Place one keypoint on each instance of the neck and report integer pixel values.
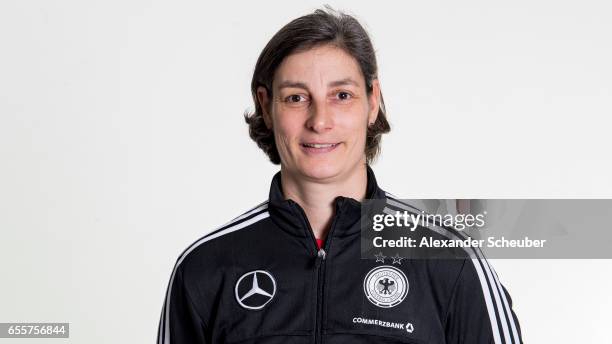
(317, 197)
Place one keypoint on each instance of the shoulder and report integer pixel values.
(212, 247)
(425, 215)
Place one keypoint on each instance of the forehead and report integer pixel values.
(320, 64)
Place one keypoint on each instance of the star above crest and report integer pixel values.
(397, 259)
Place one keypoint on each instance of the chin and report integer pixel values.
(321, 170)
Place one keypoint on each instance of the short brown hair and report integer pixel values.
(323, 26)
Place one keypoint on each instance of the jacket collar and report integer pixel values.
(289, 216)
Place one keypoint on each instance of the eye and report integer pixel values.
(344, 95)
(294, 98)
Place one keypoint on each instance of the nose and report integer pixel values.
(321, 117)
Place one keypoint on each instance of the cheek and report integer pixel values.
(354, 123)
(287, 127)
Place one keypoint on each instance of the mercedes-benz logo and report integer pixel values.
(255, 289)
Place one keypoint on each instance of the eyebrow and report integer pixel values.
(298, 84)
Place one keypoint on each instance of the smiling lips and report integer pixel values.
(317, 147)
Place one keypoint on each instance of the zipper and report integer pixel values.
(320, 259)
(320, 266)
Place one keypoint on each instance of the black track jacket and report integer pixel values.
(262, 279)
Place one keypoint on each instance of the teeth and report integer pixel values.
(319, 145)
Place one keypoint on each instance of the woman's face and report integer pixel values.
(319, 113)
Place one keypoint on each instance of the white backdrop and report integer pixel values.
(122, 141)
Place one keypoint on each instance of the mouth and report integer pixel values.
(317, 147)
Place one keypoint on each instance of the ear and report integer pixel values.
(264, 102)
(374, 102)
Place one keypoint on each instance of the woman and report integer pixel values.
(289, 270)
